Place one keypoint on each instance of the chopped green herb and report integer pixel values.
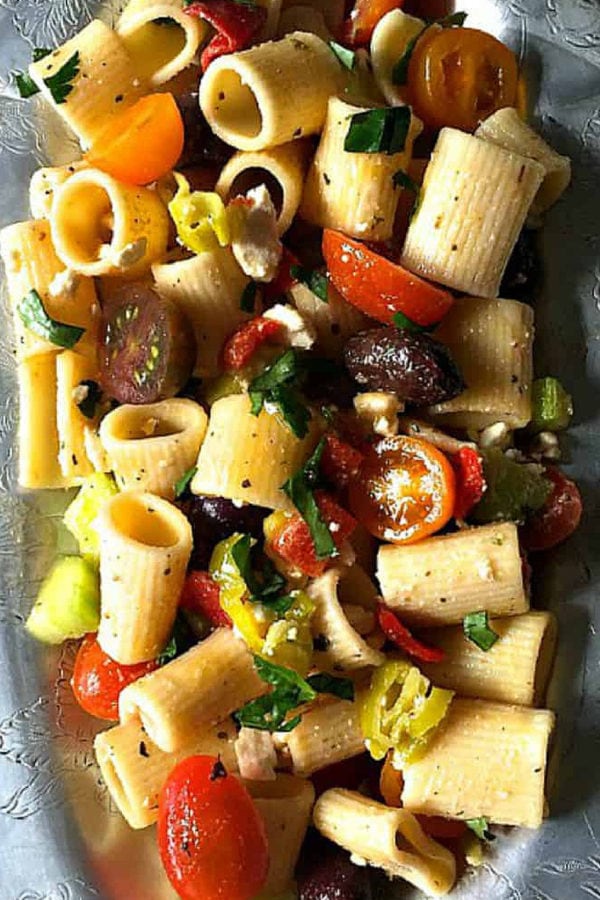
(345, 56)
(400, 70)
(477, 630)
(551, 406)
(514, 489)
(182, 483)
(480, 827)
(382, 130)
(35, 317)
(403, 180)
(89, 404)
(248, 298)
(406, 324)
(295, 414)
(181, 640)
(266, 586)
(60, 84)
(456, 19)
(328, 414)
(26, 86)
(315, 281)
(327, 684)
(40, 53)
(273, 386)
(300, 490)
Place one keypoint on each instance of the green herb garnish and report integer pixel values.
(25, 83)
(382, 130)
(35, 317)
(88, 406)
(60, 84)
(478, 631)
(480, 827)
(300, 489)
(327, 684)
(275, 385)
(181, 640)
(345, 56)
(182, 483)
(406, 324)
(315, 281)
(248, 298)
(267, 585)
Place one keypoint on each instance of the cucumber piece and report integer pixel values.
(551, 406)
(68, 602)
(80, 515)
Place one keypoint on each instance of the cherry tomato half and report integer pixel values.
(404, 491)
(358, 28)
(211, 838)
(459, 76)
(98, 680)
(559, 516)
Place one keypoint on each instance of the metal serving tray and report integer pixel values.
(60, 838)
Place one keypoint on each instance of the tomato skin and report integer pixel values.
(470, 482)
(340, 462)
(459, 76)
(405, 490)
(399, 635)
(201, 594)
(141, 144)
(378, 287)
(211, 838)
(559, 516)
(235, 26)
(358, 28)
(294, 542)
(243, 343)
(98, 680)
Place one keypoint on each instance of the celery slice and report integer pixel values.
(552, 407)
(513, 489)
(68, 602)
(81, 514)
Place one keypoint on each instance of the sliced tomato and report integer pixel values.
(236, 25)
(243, 343)
(284, 280)
(142, 143)
(399, 635)
(340, 462)
(405, 490)
(559, 516)
(211, 838)
(201, 594)
(378, 287)
(470, 482)
(358, 28)
(459, 76)
(98, 680)
(294, 542)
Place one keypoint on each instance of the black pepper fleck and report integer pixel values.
(218, 771)
(143, 750)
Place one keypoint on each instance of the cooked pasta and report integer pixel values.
(334, 321)
(151, 446)
(473, 203)
(273, 8)
(390, 839)
(38, 460)
(439, 580)
(145, 546)
(487, 760)
(71, 370)
(328, 733)
(44, 182)
(333, 11)
(391, 38)
(193, 692)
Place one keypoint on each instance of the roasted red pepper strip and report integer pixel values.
(236, 26)
(358, 28)
(284, 279)
(243, 343)
(340, 461)
(470, 483)
(201, 595)
(399, 635)
(294, 543)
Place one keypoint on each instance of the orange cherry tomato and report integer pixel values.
(404, 491)
(142, 143)
(358, 28)
(391, 783)
(460, 76)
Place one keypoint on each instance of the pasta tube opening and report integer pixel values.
(236, 103)
(253, 177)
(160, 38)
(142, 520)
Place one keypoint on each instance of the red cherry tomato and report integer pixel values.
(294, 542)
(358, 28)
(559, 516)
(98, 680)
(211, 838)
(201, 594)
(243, 343)
(470, 483)
(404, 491)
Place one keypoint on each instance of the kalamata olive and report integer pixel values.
(213, 519)
(337, 388)
(324, 872)
(412, 365)
(201, 146)
(147, 348)
(523, 271)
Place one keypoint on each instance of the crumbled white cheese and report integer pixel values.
(545, 446)
(378, 410)
(149, 426)
(80, 393)
(298, 332)
(358, 860)
(484, 570)
(64, 284)
(496, 435)
(256, 246)
(130, 254)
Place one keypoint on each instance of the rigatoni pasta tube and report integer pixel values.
(272, 93)
(151, 446)
(439, 580)
(194, 691)
(71, 370)
(473, 203)
(328, 733)
(333, 11)
(390, 839)
(31, 263)
(43, 184)
(145, 546)
(134, 769)
(514, 670)
(334, 321)
(390, 40)
(485, 759)
(284, 806)
(105, 83)
(38, 435)
(507, 129)
(353, 192)
(208, 288)
(247, 458)
(491, 342)
(160, 38)
(101, 226)
(281, 169)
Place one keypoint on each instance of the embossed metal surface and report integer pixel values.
(59, 837)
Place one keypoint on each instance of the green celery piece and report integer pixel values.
(80, 515)
(68, 602)
(552, 407)
(513, 489)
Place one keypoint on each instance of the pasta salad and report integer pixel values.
(274, 332)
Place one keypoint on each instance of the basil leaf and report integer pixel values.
(87, 406)
(248, 298)
(40, 53)
(378, 130)
(267, 587)
(477, 630)
(279, 605)
(406, 324)
(403, 180)
(294, 413)
(283, 369)
(456, 19)
(181, 640)
(26, 86)
(315, 281)
(299, 489)
(272, 386)
(59, 84)
(345, 56)
(257, 399)
(182, 483)
(35, 317)
(327, 684)
(480, 827)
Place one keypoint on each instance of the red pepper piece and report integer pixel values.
(294, 543)
(340, 461)
(236, 26)
(284, 280)
(201, 595)
(243, 343)
(470, 483)
(399, 635)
